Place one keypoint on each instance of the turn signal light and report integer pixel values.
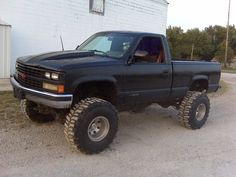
(60, 89)
(53, 87)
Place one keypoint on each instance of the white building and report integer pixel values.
(36, 25)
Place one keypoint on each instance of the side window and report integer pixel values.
(150, 50)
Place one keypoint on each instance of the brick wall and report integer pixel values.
(38, 24)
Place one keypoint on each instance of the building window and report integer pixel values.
(97, 6)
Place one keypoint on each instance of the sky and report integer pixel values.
(190, 14)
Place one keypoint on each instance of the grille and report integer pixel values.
(30, 76)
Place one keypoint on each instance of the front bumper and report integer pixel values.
(59, 101)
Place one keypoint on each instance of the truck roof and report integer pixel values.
(132, 32)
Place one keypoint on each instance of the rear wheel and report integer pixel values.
(91, 125)
(194, 110)
(31, 111)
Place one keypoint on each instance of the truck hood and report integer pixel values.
(64, 59)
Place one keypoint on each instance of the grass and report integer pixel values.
(10, 107)
(228, 70)
(10, 114)
(11, 117)
(8, 102)
(224, 88)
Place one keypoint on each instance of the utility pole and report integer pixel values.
(192, 51)
(227, 37)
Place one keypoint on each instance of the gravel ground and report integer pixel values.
(148, 144)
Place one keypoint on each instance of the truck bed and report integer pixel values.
(184, 72)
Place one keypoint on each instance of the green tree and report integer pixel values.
(208, 43)
(202, 44)
(175, 39)
(220, 54)
(218, 35)
(232, 38)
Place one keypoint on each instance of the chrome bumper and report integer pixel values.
(59, 101)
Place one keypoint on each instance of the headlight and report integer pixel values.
(54, 76)
(53, 87)
(48, 75)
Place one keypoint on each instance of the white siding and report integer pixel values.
(4, 51)
(38, 24)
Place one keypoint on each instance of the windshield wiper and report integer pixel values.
(99, 51)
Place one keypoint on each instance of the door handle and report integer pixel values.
(165, 73)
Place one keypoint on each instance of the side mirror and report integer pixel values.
(140, 53)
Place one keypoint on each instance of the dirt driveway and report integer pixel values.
(148, 144)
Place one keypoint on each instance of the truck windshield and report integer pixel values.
(111, 45)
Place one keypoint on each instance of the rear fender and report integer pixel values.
(199, 77)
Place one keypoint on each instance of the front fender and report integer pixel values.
(87, 79)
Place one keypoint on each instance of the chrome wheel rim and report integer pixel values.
(98, 128)
(200, 112)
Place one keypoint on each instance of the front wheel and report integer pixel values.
(31, 111)
(91, 125)
(194, 110)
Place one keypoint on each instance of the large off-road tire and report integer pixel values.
(91, 125)
(29, 109)
(194, 110)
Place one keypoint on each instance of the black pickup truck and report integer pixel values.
(110, 71)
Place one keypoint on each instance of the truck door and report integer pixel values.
(148, 77)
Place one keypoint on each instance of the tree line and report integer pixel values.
(204, 44)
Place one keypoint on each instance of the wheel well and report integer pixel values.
(199, 85)
(102, 89)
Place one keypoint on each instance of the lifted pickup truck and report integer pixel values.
(112, 71)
